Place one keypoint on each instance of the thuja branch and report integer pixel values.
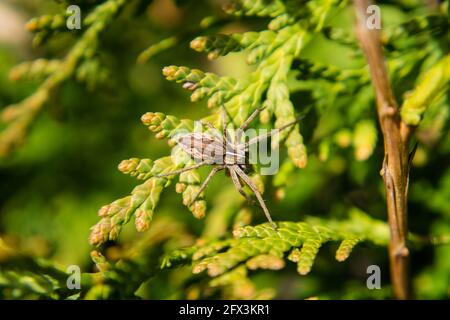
(19, 117)
(396, 135)
(260, 247)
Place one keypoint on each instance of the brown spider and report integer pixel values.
(223, 153)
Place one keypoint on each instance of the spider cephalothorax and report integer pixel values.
(223, 152)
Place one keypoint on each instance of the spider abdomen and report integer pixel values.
(212, 149)
(235, 154)
(203, 147)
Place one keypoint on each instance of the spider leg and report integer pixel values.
(267, 135)
(214, 130)
(249, 182)
(224, 117)
(227, 141)
(209, 125)
(195, 166)
(246, 123)
(205, 184)
(238, 185)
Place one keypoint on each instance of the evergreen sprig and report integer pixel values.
(275, 52)
(78, 63)
(261, 247)
(341, 102)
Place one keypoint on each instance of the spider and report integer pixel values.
(224, 154)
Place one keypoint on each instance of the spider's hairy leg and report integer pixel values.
(246, 123)
(249, 182)
(238, 185)
(195, 166)
(250, 119)
(209, 125)
(214, 130)
(269, 134)
(224, 116)
(205, 183)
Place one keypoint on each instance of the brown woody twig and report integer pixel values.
(396, 164)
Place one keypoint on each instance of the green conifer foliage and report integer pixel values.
(336, 146)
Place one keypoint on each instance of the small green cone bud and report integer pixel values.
(100, 261)
(199, 267)
(265, 261)
(215, 269)
(100, 232)
(115, 231)
(238, 233)
(303, 269)
(161, 135)
(307, 255)
(152, 119)
(296, 149)
(199, 44)
(345, 248)
(298, 155)
(128, 166)
(146, 118)
(97, 257)
(199, 209)
(180, 187)
(294, 256)
(169, 72)
(199, 94)
(213, 55)
(143, 219)
(104, 211)
(265, 116)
